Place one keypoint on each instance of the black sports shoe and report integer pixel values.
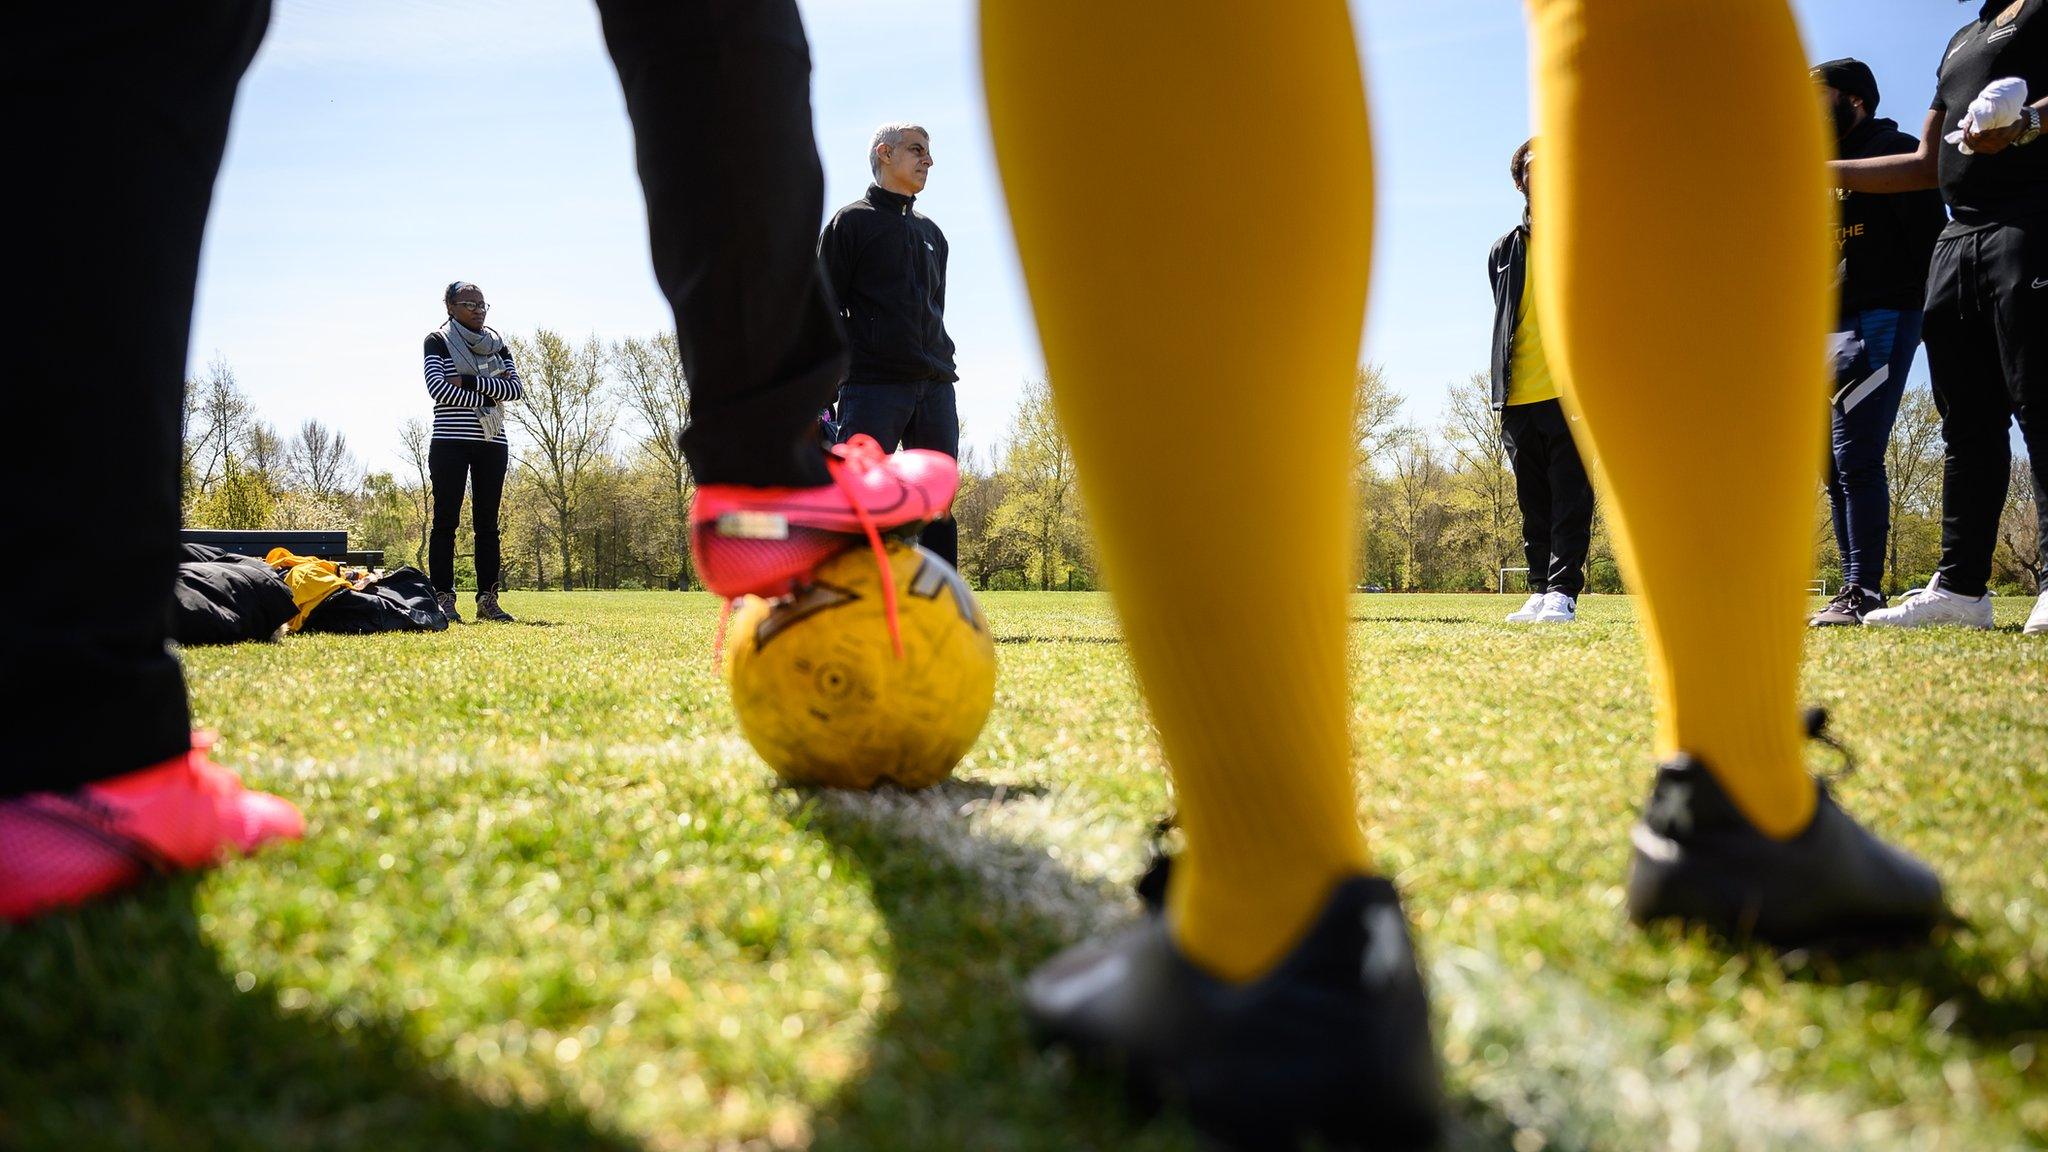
(487, 608)
(1698, 859)
(446, 602)
(1848, 607)
(1332, 1043)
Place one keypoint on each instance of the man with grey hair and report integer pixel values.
(886, 263)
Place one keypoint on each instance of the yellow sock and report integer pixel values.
(1190, 186)
(1681, 197)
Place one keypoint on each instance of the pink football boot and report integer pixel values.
(762, 541)
(63, 848)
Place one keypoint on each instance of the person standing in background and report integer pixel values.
(1551, 486)
(1986, 324)
(1884, 243)
(886, 263)
(470, 375)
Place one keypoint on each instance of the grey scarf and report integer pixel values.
(479, 354)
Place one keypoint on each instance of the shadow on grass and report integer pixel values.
(1941, 971)
(119, 1029)
(1026, 638)
(950, 1065)
(1952, 978)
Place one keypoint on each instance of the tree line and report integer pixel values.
(599, 493)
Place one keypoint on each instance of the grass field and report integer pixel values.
(550, 900)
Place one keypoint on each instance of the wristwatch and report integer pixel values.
(2032, 132)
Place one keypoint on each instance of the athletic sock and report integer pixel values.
(1200, 312)
(1687, 298)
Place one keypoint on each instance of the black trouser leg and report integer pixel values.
(487, 492)
(1571, 507)
(719, 93)
(1526, 455)
(882, 411)
(109, 255)
(935, 424)
(2017, 255)
(448, 468)
(1962, 339)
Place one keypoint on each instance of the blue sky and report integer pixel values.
(382, 148)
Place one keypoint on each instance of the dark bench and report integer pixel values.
(322, 544)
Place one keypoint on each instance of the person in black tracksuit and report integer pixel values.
(1551, 487)
(886, 264)
(1986, 326)
(1884, 243)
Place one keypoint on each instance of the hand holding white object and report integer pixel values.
(1998, 106)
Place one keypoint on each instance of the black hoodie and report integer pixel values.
(1884, 241)
(886, 263)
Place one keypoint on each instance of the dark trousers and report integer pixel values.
(481, 465)
(93, 688)
(920, 415)
(717, 88)
(713, 87)
(1555, 497)
(1868, 385)
(1987, 353)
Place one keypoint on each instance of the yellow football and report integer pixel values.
(824, 699)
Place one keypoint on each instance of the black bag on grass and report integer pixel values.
(400, 601)
(222, 598)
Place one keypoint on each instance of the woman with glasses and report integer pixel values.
(470, 375)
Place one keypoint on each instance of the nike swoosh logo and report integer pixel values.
(1500, 270)
(1952, 52)
(2041, 281)
(1070, 993)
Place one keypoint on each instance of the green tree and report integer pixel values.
(651, 377)
(1418, 485)
(1485, 518)
(389, 521)
(1041, 502)
(240, 498)
(415, 441)
(1375, 410)
(1912, 460)
(566, 418)
(2019, 534)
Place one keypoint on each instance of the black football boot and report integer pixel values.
(1698, 859)
(1332, 1044)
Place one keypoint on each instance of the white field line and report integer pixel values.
(1552, 1060)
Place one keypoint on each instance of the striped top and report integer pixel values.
(456, 407)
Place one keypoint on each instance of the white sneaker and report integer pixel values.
(1530, 609)
(1931, 606)
(2037, 620)
(1558, 608)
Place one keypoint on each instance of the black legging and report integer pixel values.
(710, 85)
(481, 464)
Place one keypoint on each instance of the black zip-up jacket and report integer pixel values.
(886, 263)
(1884, 241)
(1506, 266)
